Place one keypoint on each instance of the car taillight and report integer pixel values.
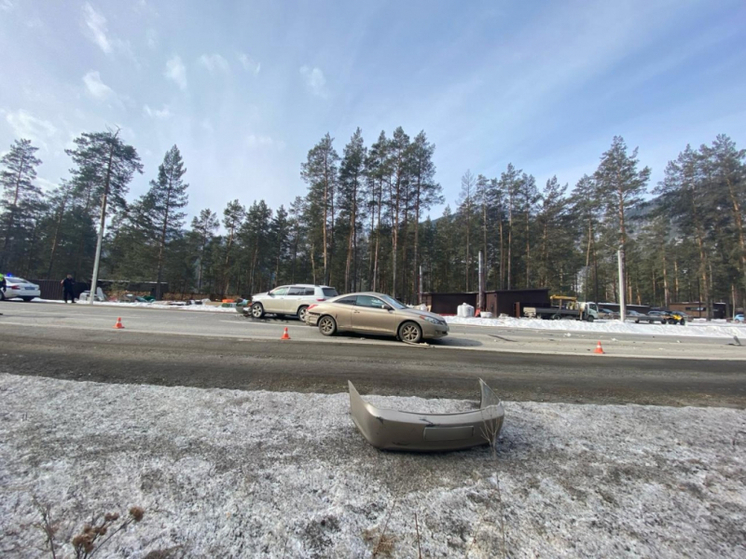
(15, 287)
(311, 306)
(322, 299)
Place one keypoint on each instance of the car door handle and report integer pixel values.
(355, 312)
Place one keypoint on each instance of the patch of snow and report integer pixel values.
(228, 473)
(161, 305)
(608, 326)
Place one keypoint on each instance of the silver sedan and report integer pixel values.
(375, 313)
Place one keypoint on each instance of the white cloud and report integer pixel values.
(214, 62)
(98, 32)
(176, 71)
(6, 5)
(151, 38)
(248, 64)
(253, 140)
(163, 113)
(96, 88)
(315, 80)
(96, 24)
(26, 125)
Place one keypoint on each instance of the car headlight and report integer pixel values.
(432, 320)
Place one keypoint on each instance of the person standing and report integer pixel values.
(68, 285)
(3, 285)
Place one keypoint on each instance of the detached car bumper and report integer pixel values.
(426, 432)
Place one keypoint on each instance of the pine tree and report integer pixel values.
(528, 195)
(551, 221)
(104, 167)
(466, 216)
(233, 216)
(425, 191)
(508, 185)
(320, 172)
(586, 206)
(204, 227)
(351, 181)
(399, 183)
(162, 207)
(21, 200)
(620, 186)
(684, 186)
(726, 170)
(377, 172)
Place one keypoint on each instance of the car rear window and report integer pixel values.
(329, 292)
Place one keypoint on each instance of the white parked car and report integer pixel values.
(289, 299)
(19, 288)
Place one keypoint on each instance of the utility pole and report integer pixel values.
(480, 299)
(622, 294)
(102, 224)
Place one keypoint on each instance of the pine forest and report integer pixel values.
(366, 223)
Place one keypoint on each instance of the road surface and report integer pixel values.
(224, 350)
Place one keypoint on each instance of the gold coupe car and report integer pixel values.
(375, 313)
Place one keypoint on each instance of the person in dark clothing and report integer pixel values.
(3, 285)
(68, 285)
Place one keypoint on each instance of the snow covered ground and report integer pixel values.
(699, 328)
(199, 308)
(226, 473)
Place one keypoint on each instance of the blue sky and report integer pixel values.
(245, 89)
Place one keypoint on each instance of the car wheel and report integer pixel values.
(327, 325)
(257, 310)
(27, 299)
(410, 332)
(682, 322)
(590, 318)
(637, 321)
(672, 321)
(302, 311)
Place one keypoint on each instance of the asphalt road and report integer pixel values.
(224, 350)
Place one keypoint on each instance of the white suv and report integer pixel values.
(289, 299)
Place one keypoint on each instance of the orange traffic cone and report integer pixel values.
(285, 335)
(599, 349)
(119, 324)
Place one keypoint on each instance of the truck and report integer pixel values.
(564, 307)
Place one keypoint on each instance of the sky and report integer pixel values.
(245, 89)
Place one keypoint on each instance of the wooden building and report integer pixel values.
(504, 301)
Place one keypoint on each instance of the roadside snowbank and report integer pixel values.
(226, 473)
(698, 329)
(199, 308)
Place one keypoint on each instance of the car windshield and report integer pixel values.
(393, 302)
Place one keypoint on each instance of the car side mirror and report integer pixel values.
(388, 308)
